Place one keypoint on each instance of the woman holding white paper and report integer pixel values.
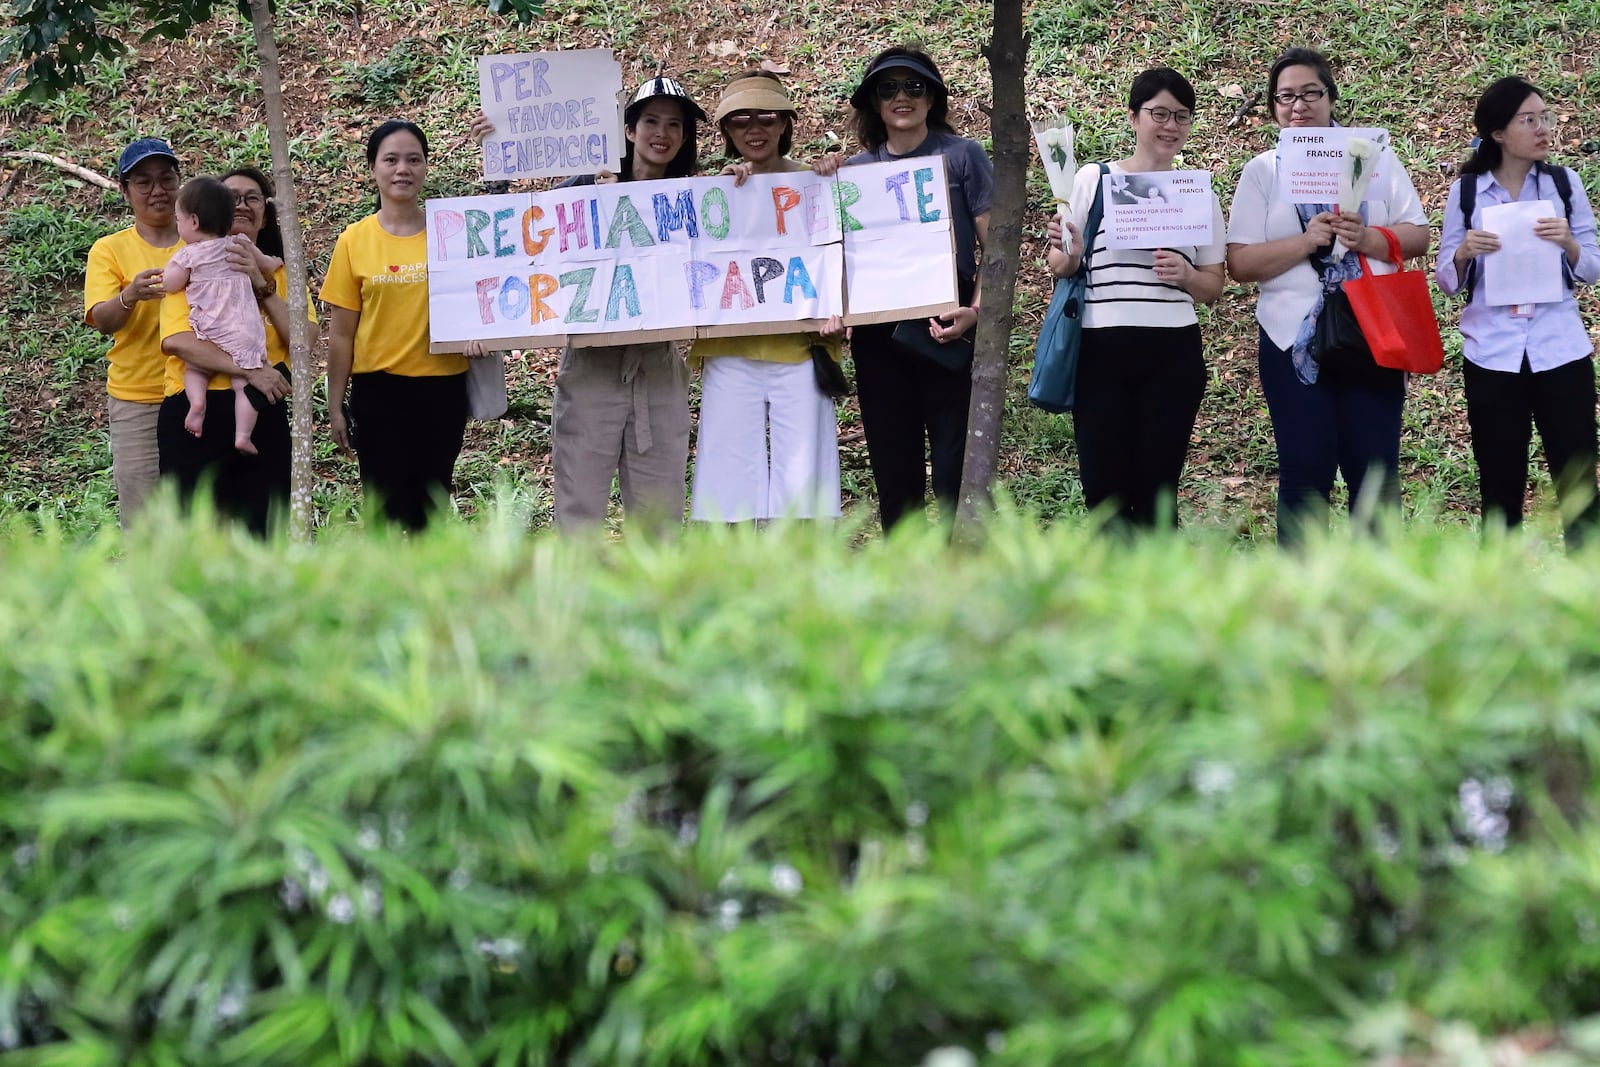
(1141, 368)
(914, 400)
(1322, 425)
(1525, 364)
(768, 446)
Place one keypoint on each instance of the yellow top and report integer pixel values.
(175, 320)
(135, 356)
(385, 279)
(768, 348)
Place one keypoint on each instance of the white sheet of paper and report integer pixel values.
(1527, 269)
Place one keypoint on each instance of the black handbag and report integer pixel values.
(952, 355)
(1340, 349)
(831, 381)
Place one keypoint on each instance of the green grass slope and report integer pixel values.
(1411, 66)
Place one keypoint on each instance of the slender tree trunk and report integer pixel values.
(294, 257)
(1007, 52)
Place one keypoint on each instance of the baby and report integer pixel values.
(222, 304)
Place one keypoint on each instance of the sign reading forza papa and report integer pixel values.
(691, 257)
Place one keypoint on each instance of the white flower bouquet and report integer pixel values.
(1360, 164)
(1053, 137)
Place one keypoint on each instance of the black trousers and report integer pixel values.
(253, 490)
(407, 435)
(911, 408)
(1139, 390)
(1502, 409)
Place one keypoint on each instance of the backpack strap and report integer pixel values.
(1091, 225)
(1469, 201)
(1563, 184)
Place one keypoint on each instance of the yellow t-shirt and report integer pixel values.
(135, 356)
(175, 320)
(385, 279)
(768, 348)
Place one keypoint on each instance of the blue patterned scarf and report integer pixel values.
(1333, 274)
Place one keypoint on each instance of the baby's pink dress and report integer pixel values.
(222, 304)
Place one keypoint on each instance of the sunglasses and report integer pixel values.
(743, 120)
(889, 88)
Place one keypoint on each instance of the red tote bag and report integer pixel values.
(1396, 315)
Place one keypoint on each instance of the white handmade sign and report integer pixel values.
(1311, 161)
(554, 113)
(691, 257)
(1163, 209)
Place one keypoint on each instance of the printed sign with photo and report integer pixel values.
(1164, 209)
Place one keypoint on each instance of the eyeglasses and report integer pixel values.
(742, 120)
(1305, 96)
(889, 88)
(1534, 120)
(249, 199)
(1162, 115)
(144, 184)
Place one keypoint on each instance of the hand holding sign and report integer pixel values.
(549, 114)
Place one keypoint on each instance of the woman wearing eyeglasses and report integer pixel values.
(122, 299)
(768, 445)
(1141, 369)
(1322, 426)
(250, 488)
(914, 409)
(1525, 364)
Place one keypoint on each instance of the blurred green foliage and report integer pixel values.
(475, 798)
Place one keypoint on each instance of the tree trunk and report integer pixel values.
(1007, 53)
(294, 257)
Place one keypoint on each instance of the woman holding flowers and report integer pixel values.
(1525, 364)
(1141, 371)
(1322, 424)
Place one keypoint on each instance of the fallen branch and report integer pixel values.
(62, 164)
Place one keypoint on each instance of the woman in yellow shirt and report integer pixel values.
(122, 299)
(249, 488)
(408, 407)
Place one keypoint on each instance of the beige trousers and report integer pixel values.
(620, 411)
(135, 460)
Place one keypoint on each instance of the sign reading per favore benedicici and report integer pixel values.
(554, 113)
(688, 257)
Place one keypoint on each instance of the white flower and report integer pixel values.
(1054, 139)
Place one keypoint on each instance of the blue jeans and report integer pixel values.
(1325, 429)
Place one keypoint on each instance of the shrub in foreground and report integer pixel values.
(474, 798)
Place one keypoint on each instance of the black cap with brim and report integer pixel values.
(861, 98)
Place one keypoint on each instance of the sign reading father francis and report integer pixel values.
(691, 257)
(554, 113)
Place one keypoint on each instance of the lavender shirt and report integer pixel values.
(1492, 337)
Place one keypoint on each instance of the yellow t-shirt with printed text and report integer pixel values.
(385, 279)
(135, 357)
(175, 320)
